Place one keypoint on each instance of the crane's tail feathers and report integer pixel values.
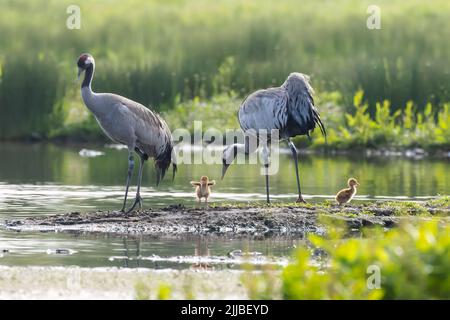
(158, 176)
(162, 163)
(160, 172)
(174, 167)
(319, 123)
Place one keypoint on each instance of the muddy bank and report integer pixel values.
(279, 219)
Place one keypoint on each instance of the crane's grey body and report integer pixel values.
(127, 122)
(289, 109)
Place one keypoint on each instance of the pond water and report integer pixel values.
(40, 179)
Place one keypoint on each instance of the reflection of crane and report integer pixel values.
(289, 109)
(130, 123)
(128, 255)
(202, 250)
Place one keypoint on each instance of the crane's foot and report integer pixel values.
(137, 201)
(123, 207)
(300, 200)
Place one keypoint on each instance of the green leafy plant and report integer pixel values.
(409, 262)
(403, 128)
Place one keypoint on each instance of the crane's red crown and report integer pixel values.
(84, 60)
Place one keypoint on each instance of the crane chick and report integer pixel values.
(203, 189)
(345, 195)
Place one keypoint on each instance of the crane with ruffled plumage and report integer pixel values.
(288, 109)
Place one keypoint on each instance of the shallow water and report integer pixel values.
(44, 179)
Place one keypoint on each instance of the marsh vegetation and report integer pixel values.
(174, 55)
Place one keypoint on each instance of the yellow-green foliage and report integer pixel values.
(413, 261)
(144, 288)
(164, 292)
(406, 127)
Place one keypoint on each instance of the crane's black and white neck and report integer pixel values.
(86, 63)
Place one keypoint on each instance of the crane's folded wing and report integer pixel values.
(264, 110)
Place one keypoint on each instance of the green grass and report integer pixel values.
(406, 208)
(395, 208)
(164, 52)
(443, 201)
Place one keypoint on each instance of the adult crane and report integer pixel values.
(288, 109)
(129, 123)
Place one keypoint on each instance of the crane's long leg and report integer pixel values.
(130, 172)
(295, 156)
(138, 199)
(265, 155)
(266, 166)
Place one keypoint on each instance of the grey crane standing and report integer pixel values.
(289, 109)
(127, 122)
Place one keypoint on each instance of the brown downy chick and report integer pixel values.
(345, 195)
(203, 189)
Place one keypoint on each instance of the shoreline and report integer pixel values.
(280, 219)
(415, 153)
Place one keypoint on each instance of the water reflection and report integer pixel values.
(159, 251)
(202, 250)
(132, 251)
(322, 175)
(43, 179)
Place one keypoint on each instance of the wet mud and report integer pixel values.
(178, 219)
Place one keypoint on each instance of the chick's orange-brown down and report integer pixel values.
(203, 189)
(345, 195)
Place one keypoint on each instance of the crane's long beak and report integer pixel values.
(224, 169)
(80, 71)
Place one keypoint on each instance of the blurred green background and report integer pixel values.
(176, 53)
